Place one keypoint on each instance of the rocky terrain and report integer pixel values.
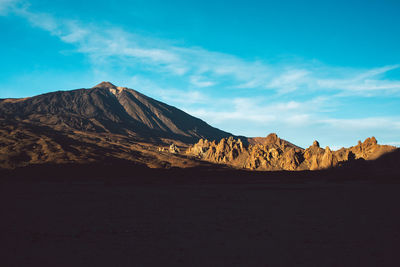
(273, 153)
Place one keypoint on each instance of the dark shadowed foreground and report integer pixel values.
(122, 215)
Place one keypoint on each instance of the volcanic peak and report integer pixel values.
(105, 85)
(111, 87)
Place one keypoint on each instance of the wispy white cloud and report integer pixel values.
(169, 95)
(290, 80)
(7, 6)
(259, 110)
(364, 123)
(299, 122)
(394, 143)
(364, 82)
(199, 81)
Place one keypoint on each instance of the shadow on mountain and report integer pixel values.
(387, 165)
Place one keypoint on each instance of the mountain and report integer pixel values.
(106, 108)
(103, 123)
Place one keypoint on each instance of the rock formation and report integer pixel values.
(273, 153)
(173, 149)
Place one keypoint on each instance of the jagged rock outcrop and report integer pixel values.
(173, 149)
(291, 160)
(227, 150)
(273, 153)
(327, 160)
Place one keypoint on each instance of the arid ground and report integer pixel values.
(116, 216)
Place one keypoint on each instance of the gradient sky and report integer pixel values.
(325, 70)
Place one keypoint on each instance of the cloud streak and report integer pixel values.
(7, 5)
(258, 110)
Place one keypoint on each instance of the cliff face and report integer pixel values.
(273, 153)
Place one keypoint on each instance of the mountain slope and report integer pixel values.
(106, 108)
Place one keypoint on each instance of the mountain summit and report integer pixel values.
(105, 85)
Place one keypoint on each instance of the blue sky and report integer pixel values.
(325, 70)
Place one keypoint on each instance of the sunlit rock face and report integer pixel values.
(273, 153)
